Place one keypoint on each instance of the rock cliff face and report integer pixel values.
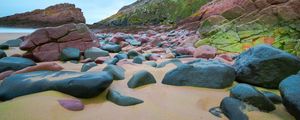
(52, 16)
(152, 12)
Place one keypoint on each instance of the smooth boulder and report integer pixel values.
(113, 48)
(94, 53)
(290, 93)
(77, 84)
(141, 78)
(210, 74)
(252, 96)
(71, 104)
(233, 108)
(15, 63)
(70, 54)
(265, 66)
(87, 66)
(122, 100)
(13, 43)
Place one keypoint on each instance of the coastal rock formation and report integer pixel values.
(81, 85)
(46, 44)
(265, 66)
(236, 25)
(52, 16)
(117, 98)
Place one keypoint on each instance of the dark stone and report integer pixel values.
(265, 66)
(233, 108)
(176, 62)
(77, 84)
(290, 93)
(141, 78)
(138, 60)
(13, 43)
(112, 61)
(276, 99)
(2, 54)
(114, 48)
(153, 64)
(210, 74)
(70, 54)
(117, 72)
(87, 66)
(216, 111)
(121, 56)
(73, 104)
(14, 63)
(132, 53)
(252, 96)
(94, 53)
(121, 100)
(4, 47)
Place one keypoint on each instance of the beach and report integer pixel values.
(161, 102)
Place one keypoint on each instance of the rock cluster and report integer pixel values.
(46, 44)
(51, 16)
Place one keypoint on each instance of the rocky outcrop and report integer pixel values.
(52, 16)
(236, 25)
(46, 44)
(152, 12)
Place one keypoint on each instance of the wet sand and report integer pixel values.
(161, 102)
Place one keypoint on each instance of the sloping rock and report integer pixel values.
(252, 96)
(117, 71)
(87, 66)
(81, 85)
(13, 43)
(141, 78)
(265, 66)
(14, 63)
(51, 16)
(210, 74)
(290, 90)
(233, 109)
(122, 100)
(46, 44)
(95, 52)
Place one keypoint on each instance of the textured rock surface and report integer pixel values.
(52, 16)
(265, 66)
(290, 90)
(82, 85)
(210, 74)
(122, 100)
(46, 44)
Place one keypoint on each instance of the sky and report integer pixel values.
(93, 10)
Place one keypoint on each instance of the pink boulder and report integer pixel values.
(205, 51)
(72, 104)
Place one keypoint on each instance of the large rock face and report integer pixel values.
(152, 12)
(210, 74)
(265, 66)
(82, 85)
(52, 16)
(236, 25)
(290, 90)
(46, 44)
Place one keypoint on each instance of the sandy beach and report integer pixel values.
(161, 102)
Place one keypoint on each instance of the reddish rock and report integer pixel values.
(5, 74)
(46, 44)
(154, 57)
(205, 51)
(101, 60)
(72, 104)
(185, 50)
(117, 39)
(52, 16)
(49, 66)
